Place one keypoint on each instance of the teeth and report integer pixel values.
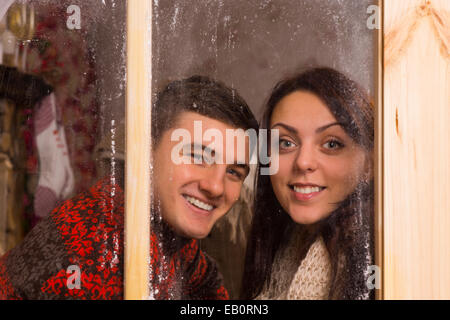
(306, 190)
(199, 204)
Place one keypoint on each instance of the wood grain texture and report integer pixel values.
(401, 27)
(138, 133)
(378, 152)
(416, 150)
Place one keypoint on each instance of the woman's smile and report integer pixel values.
(306, 192)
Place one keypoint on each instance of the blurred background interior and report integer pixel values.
(85, 71)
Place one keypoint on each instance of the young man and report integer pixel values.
(77, 252)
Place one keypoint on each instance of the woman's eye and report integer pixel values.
(286, 144)
(333, 145)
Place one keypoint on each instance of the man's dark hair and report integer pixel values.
(204, 96)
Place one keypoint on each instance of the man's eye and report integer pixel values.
(333, 145)
(235, 173)
(196, 156)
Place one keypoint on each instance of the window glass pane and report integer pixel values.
(314, 212)
(267, 213)
(62, 150)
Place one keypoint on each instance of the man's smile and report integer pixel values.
(199, 203)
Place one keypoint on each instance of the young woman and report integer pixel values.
(312, 233)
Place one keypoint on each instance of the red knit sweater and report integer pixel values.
(87, 232)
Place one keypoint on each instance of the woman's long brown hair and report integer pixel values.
(348, 231)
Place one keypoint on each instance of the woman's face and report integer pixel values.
(319, 164)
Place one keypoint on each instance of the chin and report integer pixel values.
(305, 218)
(196, 233)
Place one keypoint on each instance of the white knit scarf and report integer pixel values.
(291, 279)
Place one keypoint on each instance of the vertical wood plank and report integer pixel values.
(416, 150)
(138, 143)
(378, 152)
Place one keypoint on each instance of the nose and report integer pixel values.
(212, 183)
(306, 159)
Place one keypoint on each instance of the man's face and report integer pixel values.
(192, 197)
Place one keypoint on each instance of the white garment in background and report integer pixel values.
(56, 179)
(4, 6)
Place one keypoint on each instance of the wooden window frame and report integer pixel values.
(138, 152)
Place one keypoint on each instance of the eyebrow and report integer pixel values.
(246, 167)
(195, 146)
(295, 131)
(285, 126)
(321, 129)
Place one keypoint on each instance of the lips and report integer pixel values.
(305, 192)
(199, 204)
